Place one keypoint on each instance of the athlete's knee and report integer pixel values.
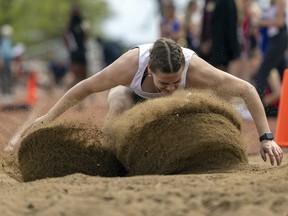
(118, 106)
(119, 100)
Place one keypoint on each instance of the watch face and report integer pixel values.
(269, 136)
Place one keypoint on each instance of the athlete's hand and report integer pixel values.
(273, 150)
(17, 138)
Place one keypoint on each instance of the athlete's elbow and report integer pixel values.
(246, 89)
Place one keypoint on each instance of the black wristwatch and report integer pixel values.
(266, 136)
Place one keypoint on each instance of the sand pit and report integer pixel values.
(257, 189)
(63, 149)
(188, 132)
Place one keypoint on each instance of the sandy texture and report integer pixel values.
(60, 150)
(188, 132)
(256, 188)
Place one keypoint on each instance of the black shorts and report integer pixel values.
(137, 98)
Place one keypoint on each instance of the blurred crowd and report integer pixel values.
(10, 62)
(56, 69)
(240, 37)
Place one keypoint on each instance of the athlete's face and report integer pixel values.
(167, 82)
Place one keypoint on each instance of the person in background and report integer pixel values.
(191, 25)
(219, 43)
(58, 68)
(6, 58)
(249, 38)
(248, 12)
(111, 50)
(272, 93)
(170, 24)
(275, 23)
(75, 38)
(158, 69)
(18, 70)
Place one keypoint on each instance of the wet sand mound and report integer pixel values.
(64, 149)
(187, 132)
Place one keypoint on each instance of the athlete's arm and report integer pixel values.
(203, 75)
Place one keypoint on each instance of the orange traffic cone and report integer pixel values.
(31, 89)
(282, 121)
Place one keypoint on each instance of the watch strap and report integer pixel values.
(266, 136)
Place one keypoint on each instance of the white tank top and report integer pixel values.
(144, 51)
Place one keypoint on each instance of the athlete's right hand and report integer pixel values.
(17, 138)
(39, 122)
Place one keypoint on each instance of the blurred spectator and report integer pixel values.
(249, 39)
(75, 38)
(170, 25)
(249, 12)
(58, 68)
(272, 93)
(6, 58)
(17, 65)
(191, 25)
(274, 21)
(111, 50)
(92, 50)
(219, 43)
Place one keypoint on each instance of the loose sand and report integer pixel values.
(253, 187)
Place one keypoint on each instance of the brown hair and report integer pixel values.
(166, 56)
